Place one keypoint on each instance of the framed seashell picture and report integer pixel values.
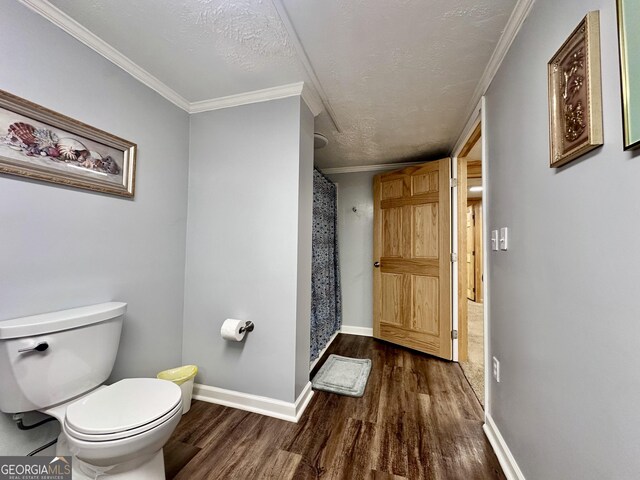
(41, 144)
(575, 94)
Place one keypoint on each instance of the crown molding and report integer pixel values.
(311, 98)
(91, 40)
(314, 97)
(514, 24)
(369, 168)
(264, 95)
(304, 59)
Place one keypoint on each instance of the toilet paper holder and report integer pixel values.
(248, 327)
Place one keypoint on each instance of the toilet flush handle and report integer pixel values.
(40, 347)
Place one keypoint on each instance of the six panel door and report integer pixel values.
(412, 269)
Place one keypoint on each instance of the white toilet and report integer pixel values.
(56, 363)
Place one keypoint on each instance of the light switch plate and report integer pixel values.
(496, 369)
(494, 240)
(504, 238)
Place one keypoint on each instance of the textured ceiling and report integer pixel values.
(202, 49)
(399, 74)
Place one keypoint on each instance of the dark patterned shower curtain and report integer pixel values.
(326, 299)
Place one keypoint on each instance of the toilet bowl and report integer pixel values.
(57, 364)
(119, 429)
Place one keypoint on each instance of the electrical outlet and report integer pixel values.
(496, 369)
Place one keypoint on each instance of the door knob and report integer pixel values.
(40, 347)
(376, 264)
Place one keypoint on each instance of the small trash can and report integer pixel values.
(182, 376)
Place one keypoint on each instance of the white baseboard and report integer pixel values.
(323, 351)
(362, 331)
(302, 402)
(290, 411)
(507, 462)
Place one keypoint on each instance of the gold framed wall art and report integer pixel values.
(575, 94)
(41, 144)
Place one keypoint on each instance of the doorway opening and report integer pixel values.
(470, 265)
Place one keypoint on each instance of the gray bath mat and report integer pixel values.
(343, 375)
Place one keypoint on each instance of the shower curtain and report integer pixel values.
(326, 299)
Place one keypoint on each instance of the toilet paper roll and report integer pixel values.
(231, 330)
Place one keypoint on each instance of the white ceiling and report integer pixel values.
(397, 74)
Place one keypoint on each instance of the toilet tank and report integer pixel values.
(76, 352)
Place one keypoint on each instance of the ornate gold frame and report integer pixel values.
(629, 143)
(42, 114)
(574, 128)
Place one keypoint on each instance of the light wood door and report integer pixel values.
(477, 227)
(471, 254)
(412, 266)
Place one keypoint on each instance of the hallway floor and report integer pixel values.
(418, 419)
(474, 366)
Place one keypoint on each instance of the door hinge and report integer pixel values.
(453, 182)
(454, 257)
(454, 334)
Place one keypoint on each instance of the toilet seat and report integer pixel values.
(104, 437)
(127, 408)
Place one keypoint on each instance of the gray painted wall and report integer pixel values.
(64, 248)
(563, 309)
(249, 204)
(305, 228)
(355, 241)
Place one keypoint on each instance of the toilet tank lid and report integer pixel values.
(58, 321)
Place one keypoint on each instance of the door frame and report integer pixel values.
(459, 221)
(478, 117)
(476, 205)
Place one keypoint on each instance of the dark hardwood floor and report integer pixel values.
(418, 419)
